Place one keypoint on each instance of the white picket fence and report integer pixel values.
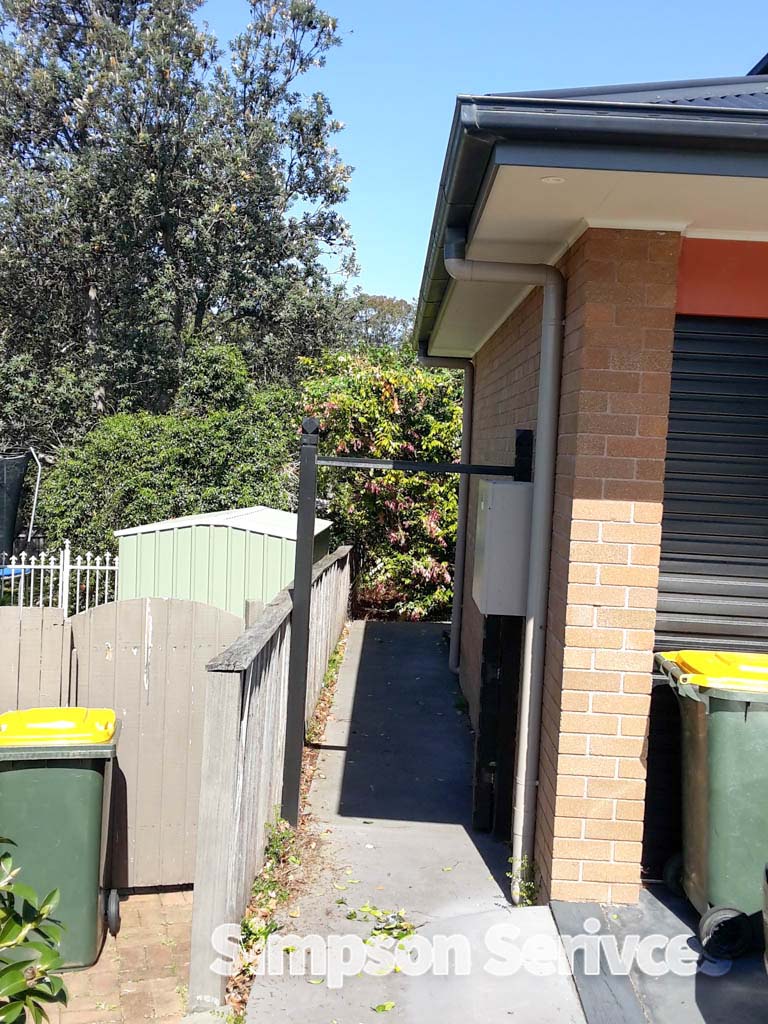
(59, 581)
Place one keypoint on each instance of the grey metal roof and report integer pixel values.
(708, 126)
(743, 93)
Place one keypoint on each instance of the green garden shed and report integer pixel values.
(219, 558)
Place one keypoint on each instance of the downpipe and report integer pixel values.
(457, 605)
(545, 452)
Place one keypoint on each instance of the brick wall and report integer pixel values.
(506, 384)
(605, 550)
(605, 557)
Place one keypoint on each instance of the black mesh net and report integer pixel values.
(12, 470)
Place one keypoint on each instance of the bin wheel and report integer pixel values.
(673, 874)
(113, 912)
(725, 933)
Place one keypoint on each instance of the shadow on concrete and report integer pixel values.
(409, 755)
(720, 992)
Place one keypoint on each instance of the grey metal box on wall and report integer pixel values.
(218, 558)
(502, 546)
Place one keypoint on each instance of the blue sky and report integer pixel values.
(394, 80)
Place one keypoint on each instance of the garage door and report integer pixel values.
(713, 589)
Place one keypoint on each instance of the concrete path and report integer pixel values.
(392, 794)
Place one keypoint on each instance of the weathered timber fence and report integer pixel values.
(242, 765)
(146, 659)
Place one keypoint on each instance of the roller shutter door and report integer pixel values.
(713, 588)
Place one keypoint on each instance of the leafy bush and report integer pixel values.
(139, 468)
(382, 404)
(29, 940)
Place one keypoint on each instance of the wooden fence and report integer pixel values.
(146, 659)
(243, 745)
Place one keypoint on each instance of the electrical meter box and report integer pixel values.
(502, 546)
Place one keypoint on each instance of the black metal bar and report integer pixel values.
(300, 621)
(524, 455)
(408, 466)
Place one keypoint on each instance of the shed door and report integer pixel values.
(713, 589)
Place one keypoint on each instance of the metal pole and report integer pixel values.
(300, 621)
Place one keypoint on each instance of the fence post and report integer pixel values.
(217, 836)
(300, 621)
(64, 561)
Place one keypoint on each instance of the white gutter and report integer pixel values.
(457, 606)
(545, 452)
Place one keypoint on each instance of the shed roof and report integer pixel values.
(257, 519)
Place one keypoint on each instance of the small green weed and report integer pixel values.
(525, 879)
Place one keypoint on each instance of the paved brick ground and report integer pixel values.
(142, 974)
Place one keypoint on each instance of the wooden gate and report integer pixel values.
(146, 659)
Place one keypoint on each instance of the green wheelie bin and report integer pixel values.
(723, 700)
(55, 789)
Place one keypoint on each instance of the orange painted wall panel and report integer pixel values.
(723, 278)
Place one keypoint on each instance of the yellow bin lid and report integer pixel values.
(56, 727)
(726, 670)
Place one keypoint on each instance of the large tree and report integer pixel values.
(156, 193)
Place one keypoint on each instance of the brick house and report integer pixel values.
(652, 202)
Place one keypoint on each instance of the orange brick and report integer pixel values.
(583, 766)
(594, 871)
(617, 746)
(584, 849)
(644, 554)
(640, 639)
(568, 828)
(579, 573)
(620, 894)
(604, 468)
(630, 810)
(577, 636)
(579, 615)
(632, 533)
(571, 785)
(629, 768)
(577, 657)
(566, 870)
(621, 703)
(615, 789)
(622, 851)
(634, 490)
(585, 531)
(643, 597)
(637, 683)
(626, 618)
(579, 593)
(634, 725)
(629, 831)
(648, 513)
(602, 511)
(575, 701)
(630, 576)
(598, 681)
(605, 725)
(582, 807)
(613, 554)
(573, 744)
(631, 661)
(577, 891)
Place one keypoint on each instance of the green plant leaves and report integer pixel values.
(28, 950)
